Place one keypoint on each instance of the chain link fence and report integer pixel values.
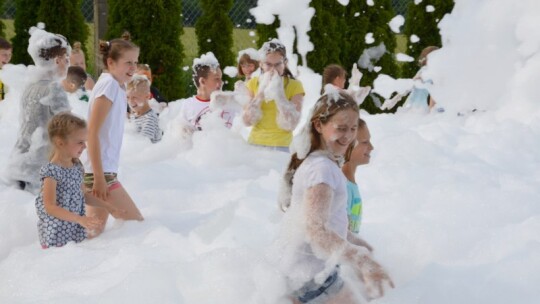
(244, 35)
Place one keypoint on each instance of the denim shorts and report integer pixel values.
(314, 293)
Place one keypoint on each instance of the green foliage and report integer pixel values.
(155, 26)
(326, 34)
(25, 17)
(361, 20)
(65, 18)
(214, 31)
(2, 26)
(267, 32)
(424, 25)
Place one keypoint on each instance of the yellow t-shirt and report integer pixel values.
(267, 132)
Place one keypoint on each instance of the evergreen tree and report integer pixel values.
(326, 34)
(423, 24)
(214, 31)
(366, 19)
(2, 26)
(25, 18)
(64, 17)
(155, 26)
(266, 32)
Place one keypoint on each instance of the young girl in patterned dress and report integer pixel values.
(60, 203)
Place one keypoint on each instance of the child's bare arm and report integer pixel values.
(52, 208)
(326, 243)
(358, 241)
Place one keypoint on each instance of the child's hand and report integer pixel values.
(373, 276)
(100, 189)
(89, 223)
(356, 76)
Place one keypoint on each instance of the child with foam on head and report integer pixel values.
(74, 82)
(275, 100)
(77, 58)
(314, 242)
(60, 203)
(207, 78)
(5, 57)
(145, 119)
(106, 119)
(248, 63)
(41, 99)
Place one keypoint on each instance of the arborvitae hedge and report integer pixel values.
(356, 27)
(25, 17)
(266, 32)
(378, 17)
(64, 17)
(424, 25)
(214, 31)
(155, 26)
(2, 26)
(326, 34)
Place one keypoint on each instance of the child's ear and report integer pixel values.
(317, 124)
(202, 80)
(149, 96)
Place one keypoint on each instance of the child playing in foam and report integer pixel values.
(144, 117)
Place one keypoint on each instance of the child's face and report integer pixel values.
(77, 60)
(247, 68)
(213, 81)
(75, 143)
(274, 62)
(124, 68)
(5, 56)
(339, 81)
(62, 64)
(69, 86)
(339, 132)
(138, 98)
(361, 153)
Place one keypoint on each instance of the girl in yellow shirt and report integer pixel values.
(276, 100)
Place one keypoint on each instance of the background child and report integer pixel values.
(316, 220)
(5, 58)
(276, 100)
(336, 76)
(74, 82)
(146, 120)
(248, 63)
(419, 98)
(60, 203)
(354, 157)
(207, 78)
(40, 100)
(144, 69)
(77, 59)
(107, 115)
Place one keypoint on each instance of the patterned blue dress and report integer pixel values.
(54, 232)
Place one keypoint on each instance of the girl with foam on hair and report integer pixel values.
(41, 99)
(106, 119)
(315, 242)
(276, 100)
(248, 63)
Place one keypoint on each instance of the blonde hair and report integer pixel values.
(61, 126)
(139, 82)
(77, 48)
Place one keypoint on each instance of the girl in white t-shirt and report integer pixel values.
(106, 118)
(315, 236)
